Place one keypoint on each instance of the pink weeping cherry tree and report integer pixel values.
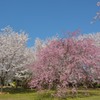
(65, 61)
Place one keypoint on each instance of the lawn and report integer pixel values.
(21, 94)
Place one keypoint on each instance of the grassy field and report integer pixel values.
(21, 94)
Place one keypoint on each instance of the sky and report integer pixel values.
(46, 18)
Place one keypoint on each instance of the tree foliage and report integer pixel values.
(97, 16)
(14, 56)
(65, 61)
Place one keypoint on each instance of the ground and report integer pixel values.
(21, 94)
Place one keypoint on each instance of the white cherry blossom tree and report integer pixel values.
(14, 56)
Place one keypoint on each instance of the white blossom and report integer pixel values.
(15, 57)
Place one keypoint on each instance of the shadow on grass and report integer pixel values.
(17, 90)
(47, 95)
(81, 94)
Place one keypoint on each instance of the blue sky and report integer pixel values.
(46, 18)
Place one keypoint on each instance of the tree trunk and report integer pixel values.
(1, 88)
(2, 84)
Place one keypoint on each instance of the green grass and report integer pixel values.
(22, 94)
